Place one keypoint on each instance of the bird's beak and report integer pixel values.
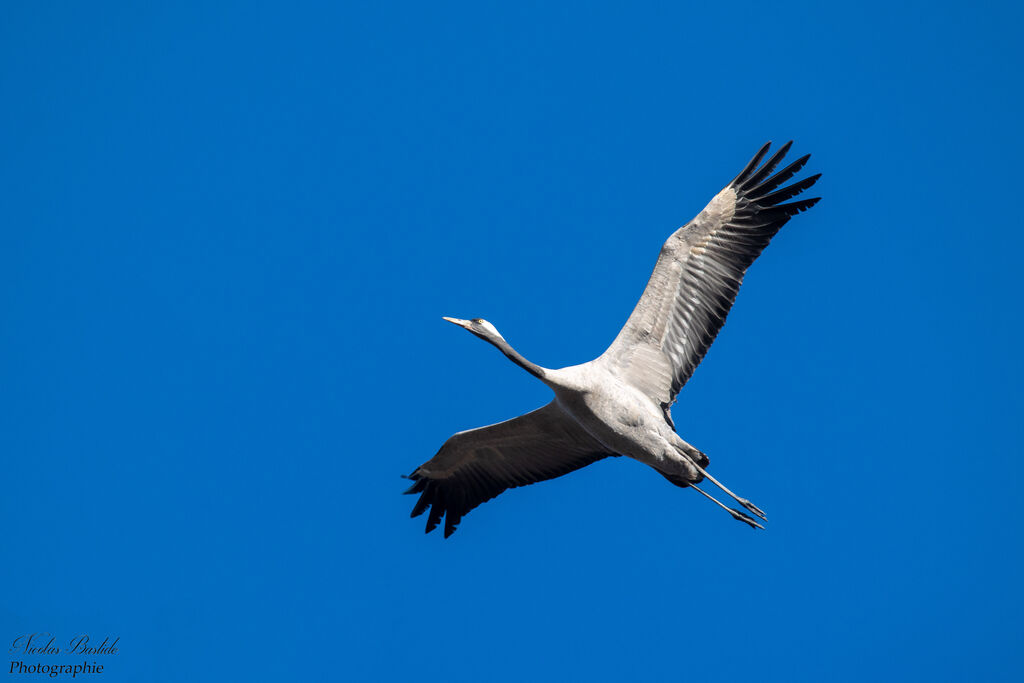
(456, 321)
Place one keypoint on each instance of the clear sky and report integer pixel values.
(228, 233)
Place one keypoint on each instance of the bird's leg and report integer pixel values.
(742, 501)
(736, 514)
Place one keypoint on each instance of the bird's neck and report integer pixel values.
(517, 358)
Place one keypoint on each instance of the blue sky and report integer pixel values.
(229, 233)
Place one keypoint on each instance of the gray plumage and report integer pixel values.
(620, 403)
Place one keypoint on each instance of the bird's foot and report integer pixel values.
(739, 516)
(753, 508)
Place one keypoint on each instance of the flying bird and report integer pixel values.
(621, 402)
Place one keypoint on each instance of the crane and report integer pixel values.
(620, 404)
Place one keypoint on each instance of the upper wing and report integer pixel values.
(698, 275)
(476, 465)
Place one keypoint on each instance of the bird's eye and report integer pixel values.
(477, 320)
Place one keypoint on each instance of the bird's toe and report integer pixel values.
(753, 508)
(740, 517)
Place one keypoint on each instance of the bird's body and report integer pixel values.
(620, 417)
(620, 403)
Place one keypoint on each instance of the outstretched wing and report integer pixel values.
(476, 465)
(698, 275)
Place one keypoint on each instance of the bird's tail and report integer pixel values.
(681, 480)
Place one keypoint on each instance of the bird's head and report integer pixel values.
(480, 328)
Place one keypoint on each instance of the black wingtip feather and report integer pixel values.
(419, 483)
(794, 208)
(782, 176)
(434, 518)
(760, 196)
(768, 167)
(425, 499)
(451, 520)
(785, 193)
(752, 164)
